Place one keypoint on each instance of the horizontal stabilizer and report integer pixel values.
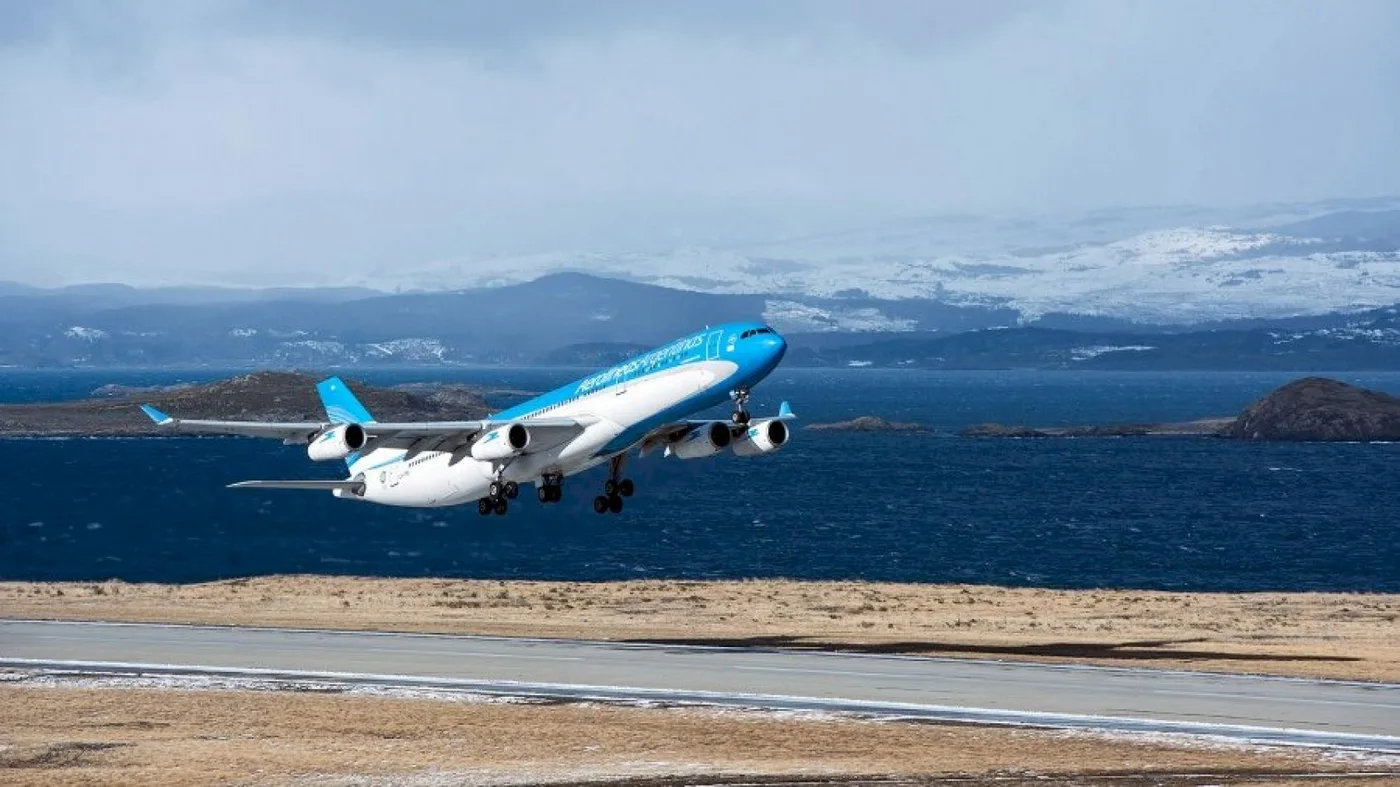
(156, 415)
(356, 487)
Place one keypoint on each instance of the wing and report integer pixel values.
(291, 432)
(666, 434)
(386, 433)
(356, 487)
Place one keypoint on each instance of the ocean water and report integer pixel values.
(1170, 513)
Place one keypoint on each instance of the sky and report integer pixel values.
(312, 141)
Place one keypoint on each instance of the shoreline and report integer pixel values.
(1342, 636)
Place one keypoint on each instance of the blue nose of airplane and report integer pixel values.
(768, 352)
(774, 346)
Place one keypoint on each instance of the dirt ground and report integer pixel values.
(1330, 635)
(61, 735)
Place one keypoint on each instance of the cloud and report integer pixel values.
(307, 141)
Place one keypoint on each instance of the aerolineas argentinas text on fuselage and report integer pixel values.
(641, 404)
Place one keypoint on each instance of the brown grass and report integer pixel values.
(1331, 635)
(82, 736)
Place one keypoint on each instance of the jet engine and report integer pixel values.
(701, 441)
(762, 437)
(503, 442)
(337, 443)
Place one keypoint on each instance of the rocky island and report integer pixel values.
(1317, 408)
(1199, 428)
(868, 423)
(260, 396)
(1311, 409)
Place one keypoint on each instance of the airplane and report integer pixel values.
(642, 403)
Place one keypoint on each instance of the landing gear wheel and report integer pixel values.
(556, 493)
(496, 490)
(610, 488)
(600, 504)
(545, 494)
(625, 487)
(740, 415)
(501, 505)
(512, 490)
(484, 506)
(615, 504)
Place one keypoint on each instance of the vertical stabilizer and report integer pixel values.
(342, 407)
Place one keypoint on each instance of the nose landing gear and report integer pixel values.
(740, 416)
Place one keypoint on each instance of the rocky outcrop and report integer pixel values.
(1205, 427)
(998, 430)
(1316, 408)
(868, 423)
(261, 396)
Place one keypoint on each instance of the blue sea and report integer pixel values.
(1169, 513)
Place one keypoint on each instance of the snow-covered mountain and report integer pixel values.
(1165, 265)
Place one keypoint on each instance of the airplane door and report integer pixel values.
(712, 345)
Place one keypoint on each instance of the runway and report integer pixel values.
(1278, 711)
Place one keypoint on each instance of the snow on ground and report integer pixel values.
(85, 334)
(1085, 353)
(1174, 274)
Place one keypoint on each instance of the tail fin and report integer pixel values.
(343, 408)
(341, 405)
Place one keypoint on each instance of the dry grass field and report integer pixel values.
(59, 735)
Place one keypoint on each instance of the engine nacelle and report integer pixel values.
(503, 442)
(762, 437)
(702, 441)
(337, 443)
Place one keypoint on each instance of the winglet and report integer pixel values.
(785, 410)
(152, 413)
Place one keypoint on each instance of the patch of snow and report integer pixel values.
(85, 334)
(1085, 353)
(409, 349)
(243, 333)
(794, 316)
(316, 346)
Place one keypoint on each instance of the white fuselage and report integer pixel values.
(432, 479)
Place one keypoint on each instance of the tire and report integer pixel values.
(600, 505)
(501, 505)
(556, 493)
(610, 488)
(512, 490)
(741, 419)
(545, 494)
(625, 487)
(483, 506)
(496, 489)
(615, 504)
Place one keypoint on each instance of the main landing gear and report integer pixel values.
(614, 490)
(497, 496)
(551, 488)
(740, 417)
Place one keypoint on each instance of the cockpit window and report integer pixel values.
(754, 332)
